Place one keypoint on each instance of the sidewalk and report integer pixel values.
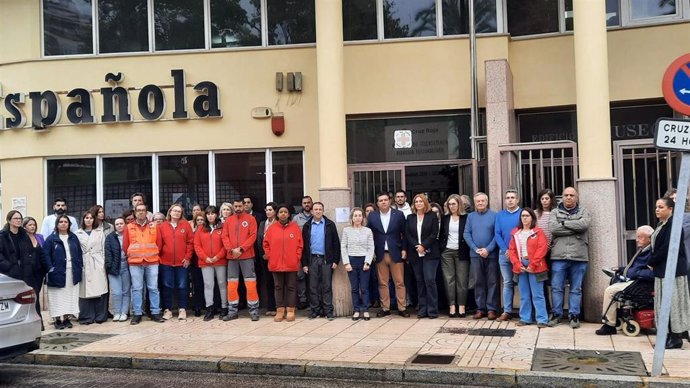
(380, 349)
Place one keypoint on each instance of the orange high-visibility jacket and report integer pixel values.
(142, 243)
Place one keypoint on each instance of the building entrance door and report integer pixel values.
(643, 175)
(438, 179)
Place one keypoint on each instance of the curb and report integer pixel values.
(491, 377)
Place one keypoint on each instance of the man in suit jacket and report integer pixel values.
(388, 227)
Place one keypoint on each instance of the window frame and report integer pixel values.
(625, 7)
(154, 202)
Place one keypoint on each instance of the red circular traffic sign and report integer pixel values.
(675, 85)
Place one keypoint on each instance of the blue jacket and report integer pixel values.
(395, 236)
(113, 251)
(480, 232)
(504, 225)
(55, 259)
(637, 267)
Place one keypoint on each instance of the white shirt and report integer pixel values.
(48, 226)
(453, 233)
(385, 220)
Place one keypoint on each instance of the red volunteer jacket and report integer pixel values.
(178, 243)
(239, 230)
(209, 244)
(283, 247)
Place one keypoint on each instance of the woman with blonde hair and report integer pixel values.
(357, 252)
(176, 255)
(226, 210)
(455, 256)
(421, 234)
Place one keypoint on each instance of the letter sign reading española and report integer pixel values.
(672, 134)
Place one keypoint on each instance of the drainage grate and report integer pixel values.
(478, 332)
(436, 359)
(606, 362)
(62, 341)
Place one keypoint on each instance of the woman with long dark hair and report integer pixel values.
(271, 210)
(63, 258)
(93, 301)
(679, 320)
(210, 252)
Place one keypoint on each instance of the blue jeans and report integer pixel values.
(359, 280)
(174, 278)
(531, 291)
(148, 273)
(508, 285)
(120, 290)
(575, 271)
(427, 291)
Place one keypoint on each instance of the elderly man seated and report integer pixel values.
(636, 269)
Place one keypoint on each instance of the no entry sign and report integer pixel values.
(676, 85)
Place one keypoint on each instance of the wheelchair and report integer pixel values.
(636, 307)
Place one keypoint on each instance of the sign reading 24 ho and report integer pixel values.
(672, 134)
(676, 85)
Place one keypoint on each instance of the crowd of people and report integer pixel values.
(391, 250)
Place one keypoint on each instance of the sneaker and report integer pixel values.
(574, 322)
(182, 314)
(123, 317)
(167, 314)
(209, 315)
(135, 320)
(116, 318)
(231, 316)
(255, 316)
(555, 321)
(606, 330)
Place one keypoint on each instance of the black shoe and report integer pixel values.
(136, 319)
(420, 316)
(330, 316)
(383, 313)
(376, 304)
(254, 316)
(157, 318)
(606, 330)
(209, 315)
(223, 313)
(302, 305)
(59, 325)
(68, 324)
(674, 341)
(197, 312)
(110, 315)
(313, 315)
(404, 313)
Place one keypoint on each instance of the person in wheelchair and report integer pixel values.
(622, 277)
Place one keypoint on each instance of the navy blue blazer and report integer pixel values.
(55, 259)
(429, 235)
(395, 236)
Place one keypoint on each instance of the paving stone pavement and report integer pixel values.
(390, 340)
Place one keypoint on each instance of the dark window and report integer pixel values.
(183, 179)
(359, 19)
(235, 23)
(532, 17)
(408, 139)
(122, 26)
(612, 14)
(179, 24)
(74, 180)
(645, 9)
(288, 177)
(456, 16)
(123, 177)
(409, 18)
(67, 27)
(239, 174)
(291, 22)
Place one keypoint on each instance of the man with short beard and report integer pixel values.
(60, 208)
(301, 218)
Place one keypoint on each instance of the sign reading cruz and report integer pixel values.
(672, 134)
(46, 109)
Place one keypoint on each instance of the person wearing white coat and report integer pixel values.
(93, 289)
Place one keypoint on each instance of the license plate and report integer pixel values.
(4, 305)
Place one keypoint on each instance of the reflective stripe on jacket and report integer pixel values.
(141, 243)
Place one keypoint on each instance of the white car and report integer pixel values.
(20, 324)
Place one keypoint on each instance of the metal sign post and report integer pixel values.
(671, 134)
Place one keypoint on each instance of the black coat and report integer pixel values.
(112, 254)
(660, 252)
(429, 238)
(24, 262)
(331, 242)
(463, 248)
